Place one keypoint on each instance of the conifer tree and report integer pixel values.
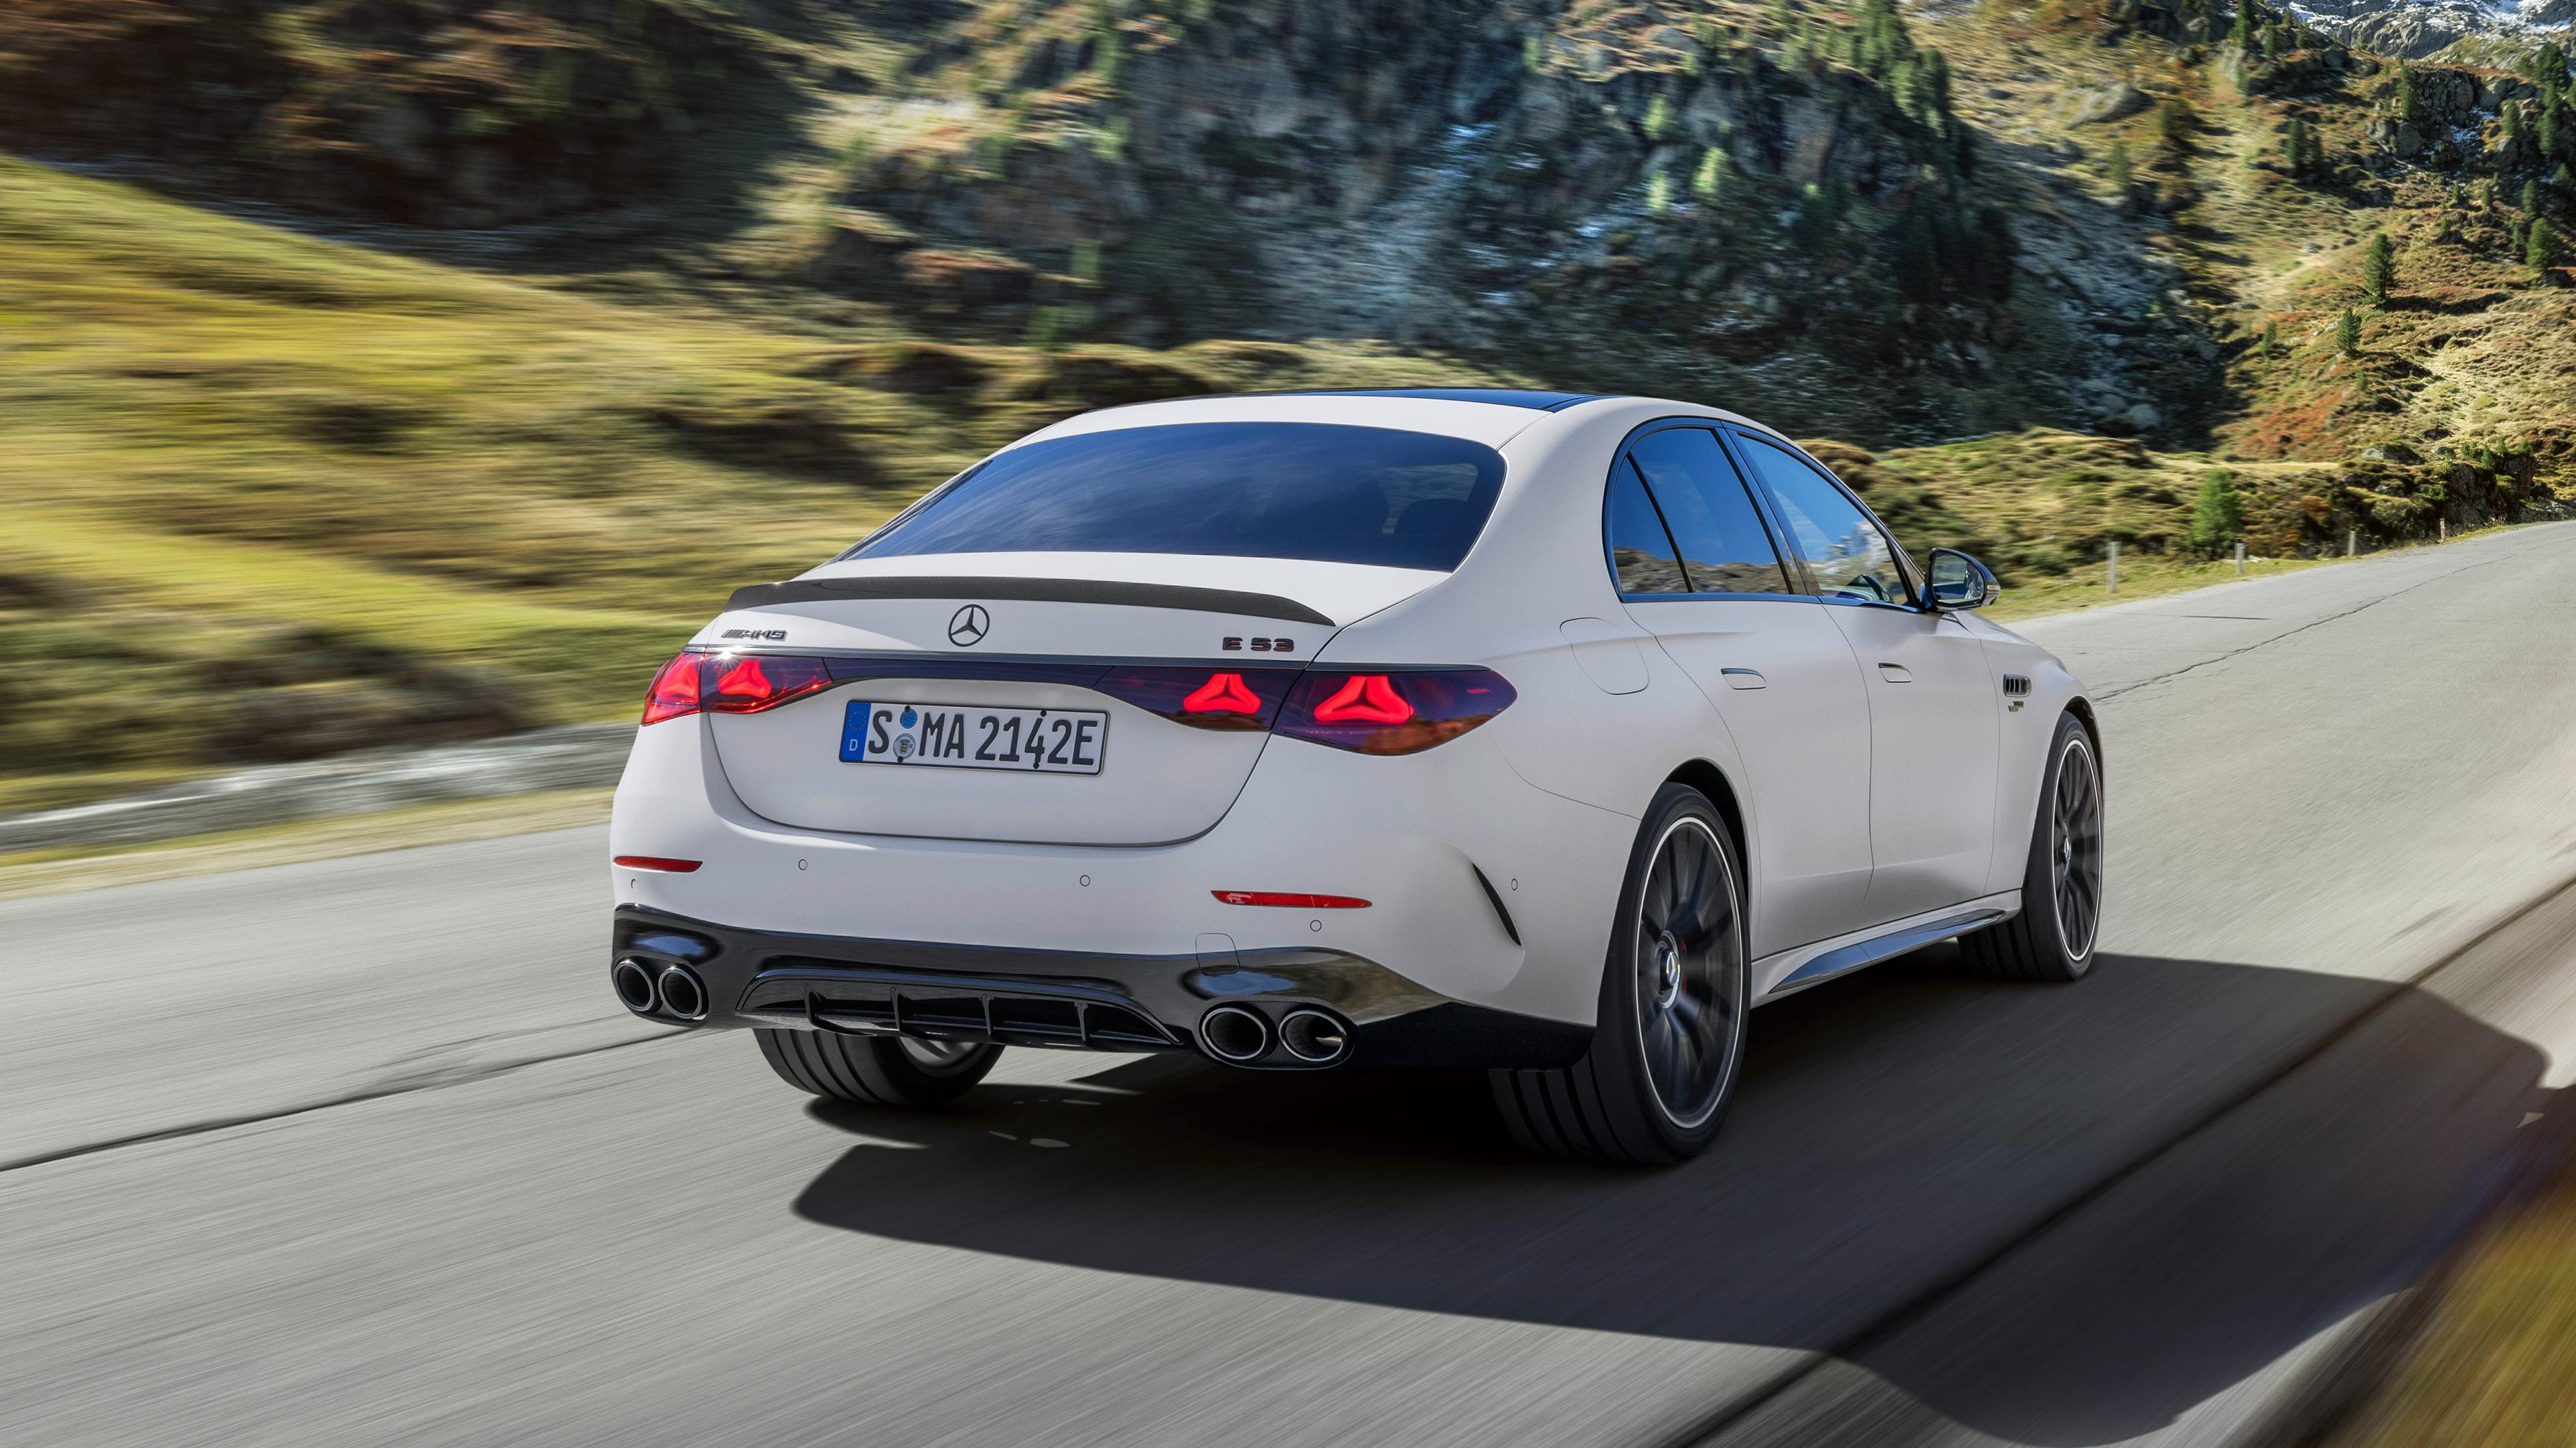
(2530, 199)
(2217, 516)
(2348, 333)
(1711, 175)
(2270, 346)
(2242, 34)
(2294, 145)
(2115, 168)
(2410, 97)
(2272, 44)
(2540, 249)
(2379, 269)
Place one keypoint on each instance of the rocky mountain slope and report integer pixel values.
(2027, 273)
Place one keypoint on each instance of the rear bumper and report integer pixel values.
(1486, 890)
(1069, 999)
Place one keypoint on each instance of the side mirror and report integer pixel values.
(1959, 581)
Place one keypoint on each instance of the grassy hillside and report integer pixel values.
(272, 496)
(638, 302)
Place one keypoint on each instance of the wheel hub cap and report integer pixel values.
(1668, 972)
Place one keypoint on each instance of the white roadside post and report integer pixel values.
(2240, 558)
(2351, 542)
(2113, 577)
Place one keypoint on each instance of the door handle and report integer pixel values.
(1743, 679)
(1895, 674)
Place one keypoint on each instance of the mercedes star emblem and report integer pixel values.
(969, 626)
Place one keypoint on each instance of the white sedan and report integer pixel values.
(1536, 732)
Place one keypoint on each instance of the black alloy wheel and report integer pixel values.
(1675, 992)
(2060, 923)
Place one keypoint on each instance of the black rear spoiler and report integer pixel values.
(1036, 590)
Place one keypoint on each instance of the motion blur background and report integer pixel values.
(383, 374)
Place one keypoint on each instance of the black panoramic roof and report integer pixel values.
(1498, 396)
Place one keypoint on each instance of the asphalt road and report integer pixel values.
(360, 1152)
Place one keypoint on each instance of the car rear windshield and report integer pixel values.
(1233, 489)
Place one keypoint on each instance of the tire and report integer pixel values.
(1675, 991)
(876, 1070)
(2060, 923)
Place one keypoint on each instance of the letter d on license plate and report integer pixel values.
(975, 736)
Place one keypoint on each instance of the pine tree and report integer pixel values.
(2272, 45)
(2486, 193)
(2348, 333)
(2242, 34)
(2530, 199)
(2217, 516)
(1711, 175)
(2115, 168)
(1659, 120)
(2175, 123)
(2410, 97)
(2270, 346)
(2315, 164)
(2541, 249)
(2549, 133)
(2379, 269)
(2294, 145)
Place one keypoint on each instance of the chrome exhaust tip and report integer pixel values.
(634, 985)
(1314, 1037)
(1234, 1034)
(683, 995)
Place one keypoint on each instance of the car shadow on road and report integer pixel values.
(2060, 1215)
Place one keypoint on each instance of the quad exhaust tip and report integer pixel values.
(1234, 1034)
(683, 995)
(1314, 1037)
(634, 984)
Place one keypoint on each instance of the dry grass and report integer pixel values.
(2495, 1367)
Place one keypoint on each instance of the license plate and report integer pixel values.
(975, 736)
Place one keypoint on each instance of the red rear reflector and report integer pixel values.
(1222, 694)
(656, 862)
(1364, 699)
(1293, 902)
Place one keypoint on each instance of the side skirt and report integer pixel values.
(1792, 971)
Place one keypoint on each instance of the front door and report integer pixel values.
(1698, 569)
(1934, 719)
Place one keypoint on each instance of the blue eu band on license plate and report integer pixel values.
(975, 736)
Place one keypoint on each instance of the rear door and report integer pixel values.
(1698, 569)
(1934, 714)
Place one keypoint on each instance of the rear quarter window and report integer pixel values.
(1318, 491)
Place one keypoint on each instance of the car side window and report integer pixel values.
(1724, 547)
(1641, 551)
(1845, 553)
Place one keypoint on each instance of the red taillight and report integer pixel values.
(655, 862)
(1201, 697)
(674, 691)
(753, 682)
(1364, 699)
(731, 684)
(1221, 694)
(1291, 901)
(1392, 713)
